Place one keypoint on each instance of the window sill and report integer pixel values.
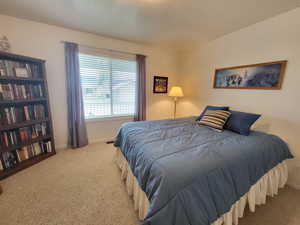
(109, 118)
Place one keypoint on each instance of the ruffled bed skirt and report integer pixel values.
(268, 185)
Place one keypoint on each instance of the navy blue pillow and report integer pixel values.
(241, 122)
(209, 107)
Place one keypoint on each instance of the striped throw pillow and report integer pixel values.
(215, 119)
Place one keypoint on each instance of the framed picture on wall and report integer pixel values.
(160, 84)
(255, 76)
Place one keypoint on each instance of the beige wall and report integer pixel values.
(274, 39)
(43, 41)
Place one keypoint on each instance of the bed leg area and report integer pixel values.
(267, 185)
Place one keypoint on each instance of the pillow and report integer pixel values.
(241, 122)
(215, 119)
(209, 107)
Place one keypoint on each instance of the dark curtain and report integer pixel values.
(140, 109)
(76, 120)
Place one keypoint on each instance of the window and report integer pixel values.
(108, 85)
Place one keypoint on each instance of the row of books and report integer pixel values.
(22, 135)
(11, 115)
(19, 69)
(10, 159)
(20, 91)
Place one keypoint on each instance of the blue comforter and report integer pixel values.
(192, 174)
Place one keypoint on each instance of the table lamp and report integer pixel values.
(175, 92)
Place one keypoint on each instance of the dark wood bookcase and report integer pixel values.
(22, 77)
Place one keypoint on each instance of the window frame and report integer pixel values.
(109, 118)
(111, 55)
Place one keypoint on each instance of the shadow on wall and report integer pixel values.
(187, 107)
(160, 108)
(294, 171)
(263, 127)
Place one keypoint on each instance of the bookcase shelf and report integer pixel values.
(18, 101)
(10, 79)
(23, 94)
(34, 140)
(22, 124)
(24, 164)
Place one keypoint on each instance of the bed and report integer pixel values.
(182, 173)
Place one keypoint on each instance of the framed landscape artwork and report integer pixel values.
(256, 76)
(160, 84)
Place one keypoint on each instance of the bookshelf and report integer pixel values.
(26, 132)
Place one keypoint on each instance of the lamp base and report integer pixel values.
(175, 103)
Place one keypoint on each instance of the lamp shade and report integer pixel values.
(176, 92)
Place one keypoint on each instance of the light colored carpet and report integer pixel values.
(83, 187)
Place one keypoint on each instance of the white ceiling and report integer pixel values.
(151, 21)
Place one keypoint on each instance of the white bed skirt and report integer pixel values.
(267, 185)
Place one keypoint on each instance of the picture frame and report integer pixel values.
(160, 84)
(21, 72)
(267, 76)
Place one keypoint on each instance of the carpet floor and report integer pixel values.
(83, 187)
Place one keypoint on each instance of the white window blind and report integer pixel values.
(108, 85)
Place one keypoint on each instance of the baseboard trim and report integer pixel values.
(93, 141)
(295, 186)
(61, 148)
(103, 140)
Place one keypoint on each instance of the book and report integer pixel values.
(19, 69)
(6, 92)
(49, 146)
(22, 135)
(9, 159)
(9, 68)
(20, 91)
(1, 92)
(33, 150)
(1, 166)
(35, 69)
(37, 148)
(17, 114)
(3, 71)
(22, 154)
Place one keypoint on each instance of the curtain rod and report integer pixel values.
(105, 49)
